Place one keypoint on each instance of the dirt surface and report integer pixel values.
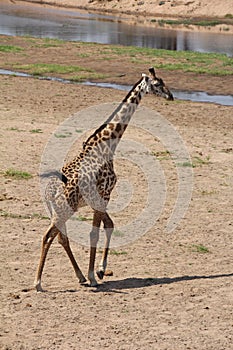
(213, 8)
(169, 290)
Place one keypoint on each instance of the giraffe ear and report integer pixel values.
(143, 75)
(152, 72)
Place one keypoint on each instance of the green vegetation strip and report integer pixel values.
(183, 61)
(10, 48)
(203, 23)
(186, 61)
(195, 21)
(45, 68)
(41, 69)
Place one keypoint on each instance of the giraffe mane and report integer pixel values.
(112, 115)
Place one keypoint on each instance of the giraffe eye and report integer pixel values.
(157, 83)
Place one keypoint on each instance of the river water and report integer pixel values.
(77, 26)
(82, 26)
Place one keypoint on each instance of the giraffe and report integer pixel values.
(89, 180)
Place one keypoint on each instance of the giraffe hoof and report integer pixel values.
(39, 289)
(108, 273)
(100, 274)
(93, 283)
(82, 280)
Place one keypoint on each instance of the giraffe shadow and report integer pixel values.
(122, 286)
(118, 286)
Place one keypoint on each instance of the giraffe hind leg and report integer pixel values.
(48, 238)
(64, 241)
(108, 226)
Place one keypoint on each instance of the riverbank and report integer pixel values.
(78, 61)
(196, 8)
(187, 15)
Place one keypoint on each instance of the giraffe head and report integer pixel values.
(158, 87)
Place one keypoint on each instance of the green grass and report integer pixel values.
(187, 22)
(81, 218)
(48, 42)
(43, 42)
(83, 55)
(118, 233)
(6, 214)
(10, 48)
(36, 131)
(89, 76)
(33, 131)
(208, 193)
(196, 162)
(162, 155)
(186, 165)
(17, 174)
(15, 129)
(45, 68)
(199, 64)
(199, 248)
(186, 61)
(40, 69)
(63, 136)
(182, 61)
(117, 252)
(229, 15)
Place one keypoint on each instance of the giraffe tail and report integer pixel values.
(56, 173)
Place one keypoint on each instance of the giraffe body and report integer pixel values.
(89, 180)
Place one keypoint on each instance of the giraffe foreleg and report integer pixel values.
(48, 238)
(64, 241)
(94, 237)
(108, 226)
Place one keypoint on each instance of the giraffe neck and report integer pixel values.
(112, 130)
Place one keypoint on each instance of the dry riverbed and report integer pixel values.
(169, 290)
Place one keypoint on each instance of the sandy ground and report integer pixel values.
(169, 290)
(213, 8)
